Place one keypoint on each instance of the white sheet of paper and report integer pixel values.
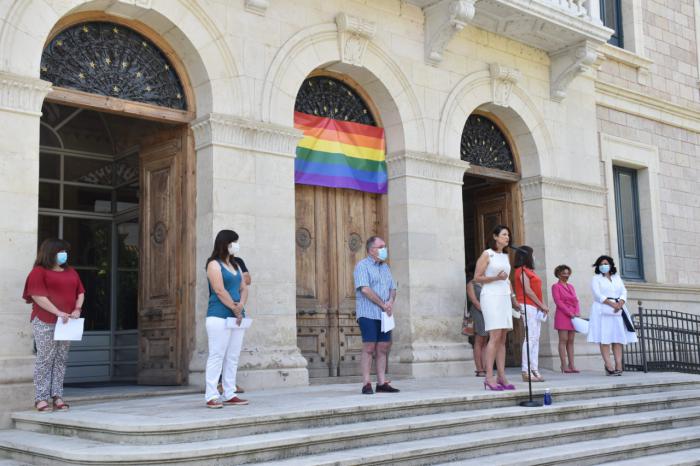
(581, 325)
(70, 331)
(388, 323)
(541, 316)
(245, 323)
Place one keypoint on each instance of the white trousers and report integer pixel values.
(534, 326)
(224, 351)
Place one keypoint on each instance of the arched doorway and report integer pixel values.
(334, 217)
(117, 181)
(490, 196)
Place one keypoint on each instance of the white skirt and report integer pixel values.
(496, 309)
(605, 329)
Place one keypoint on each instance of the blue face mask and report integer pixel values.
(604, 268)
(382, 254)
(61, 257)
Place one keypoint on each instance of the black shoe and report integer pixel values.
(386, 388)
(608, 371)
(367, 389)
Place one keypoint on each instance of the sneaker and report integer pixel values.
(215, 404)
(235, 401)
(386, 388)
(367, 389)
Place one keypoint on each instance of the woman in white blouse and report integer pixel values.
(606, 326)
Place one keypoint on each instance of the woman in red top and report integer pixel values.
(55, 291)
(536, 309)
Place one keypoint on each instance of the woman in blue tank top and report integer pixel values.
(228, 294)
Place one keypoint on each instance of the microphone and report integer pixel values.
(517, 248)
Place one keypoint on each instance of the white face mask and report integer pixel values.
(233, 248)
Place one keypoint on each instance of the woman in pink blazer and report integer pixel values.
(567, 304)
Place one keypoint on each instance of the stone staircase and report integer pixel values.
(634, 419)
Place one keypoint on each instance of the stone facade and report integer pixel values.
(563, 98)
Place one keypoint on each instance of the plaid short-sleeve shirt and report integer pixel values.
(377, 276)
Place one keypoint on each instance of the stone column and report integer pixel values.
(573, 215)
(20, 111)
(245, 182)
(426, 244)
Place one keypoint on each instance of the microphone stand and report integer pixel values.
(529, 403)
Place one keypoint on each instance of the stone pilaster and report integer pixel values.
(20, 110)
(245, 182)
(426, 243)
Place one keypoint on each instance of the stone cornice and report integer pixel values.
(426, 166)
(645, 106)
(258, 7)
(556, 189)
(240, 133)
(22, 94)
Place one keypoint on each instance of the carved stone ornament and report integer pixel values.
(22, 94)
(258, 7)
(502, 81)
(353, 36)
(569, 63)
(443, 20)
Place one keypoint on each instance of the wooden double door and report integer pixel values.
(485, 208)
(332, 226)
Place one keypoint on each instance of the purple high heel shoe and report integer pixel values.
(504, 386)
(495, 388)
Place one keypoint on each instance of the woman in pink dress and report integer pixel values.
(566, 300)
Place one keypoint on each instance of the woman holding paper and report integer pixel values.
(530, 298)
(55, 291)
(565, 298)
(228, 294)
(606, 326)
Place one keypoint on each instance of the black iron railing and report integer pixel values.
(668, 341)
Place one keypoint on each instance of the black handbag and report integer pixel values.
(629, 325)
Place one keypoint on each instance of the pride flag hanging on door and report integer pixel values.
(340, 154)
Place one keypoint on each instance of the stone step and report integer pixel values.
(109, 423)
(677, 446)
(483, 448)
(350, 444)
(690, 457)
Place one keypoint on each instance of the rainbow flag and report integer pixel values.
(340, 154)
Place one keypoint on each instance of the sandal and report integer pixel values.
(45, 408)
(536, 376)
(59, 404)
(480, 373)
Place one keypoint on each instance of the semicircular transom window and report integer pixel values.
(331, 98)
(485, 145)
(112, 60)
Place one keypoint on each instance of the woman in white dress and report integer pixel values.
(606, 326)
(497, 302)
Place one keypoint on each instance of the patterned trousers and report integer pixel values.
(50, 364)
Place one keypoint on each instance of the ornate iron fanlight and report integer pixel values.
(484, 144)
(328, 97)
(112, 60)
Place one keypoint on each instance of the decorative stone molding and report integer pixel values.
(502, 81)
(426, 166)
(569, 63)
(640, 64)
(240, 133)
(443, 20)
(258, 7)
(22, 94)
(353, 36)
(555, 189)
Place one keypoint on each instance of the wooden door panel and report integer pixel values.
(312, 277)
(161, 289)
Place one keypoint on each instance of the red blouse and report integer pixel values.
(535, 284)
(61, 288)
